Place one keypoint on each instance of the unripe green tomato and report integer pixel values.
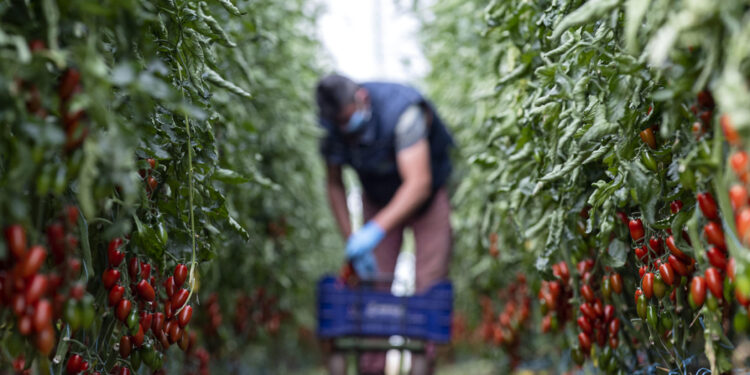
(605, 356)
(666, 321)
(132, 322)
(149, 355)
(15, 343)
(72, 314)
(648, 161)
(641, 306)
(577, 356)
(660, 289)
(135, 359)
(741, 321)
(683, 281)
(87, 311)
(612, 366)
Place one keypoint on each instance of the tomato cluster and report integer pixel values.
(147, 330)
(38, 290)
(504, 329)
(554, 298)
(259, 308)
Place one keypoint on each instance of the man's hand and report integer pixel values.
(364, 240)
(359, 249)
(365, 266)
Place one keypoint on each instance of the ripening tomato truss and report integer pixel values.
(594, 138)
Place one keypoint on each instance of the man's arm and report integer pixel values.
(414, 167)
(337, 198)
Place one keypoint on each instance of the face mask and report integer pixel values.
(358, 119)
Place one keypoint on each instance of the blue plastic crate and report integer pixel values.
(345, 311)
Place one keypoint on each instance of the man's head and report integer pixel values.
(342, 103)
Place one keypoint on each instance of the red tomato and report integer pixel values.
(679, 267)
(18, 304)
(139, 336)
(42, 315)
(614, 342)
(175, 332)
(647, 135)
(743, 225)
(123, 309)
(125, 346)
(134, 268)
(622, 216)
(714, 235)
(110, 278)
(169, 286)
(184, 316)
(16, 237)
(609, 313)
(146, 271)
(642, 271)
(74, 365)
(587, 293)
(666, 273)
(717, 258)
(588, 310)
(656, 244)
(25, 325)
(729, 132)
(68, 83)
(738, 196)
(158, 322)
(614, 327)
(36, 288)
(742, 299)
(647, 283)
(739, 162)
(585, 341)
(152, 183)
(708, 206)
(32, 261)
(615, 282)
(116, 294)
(45, 340)
(675, 250)
(641, 253)
(584, 324)
(698, 290)
(636, 229)
(56, 240)
(145, 290)
(675, 206)
(585, 265)
(598, 308)
(180, 275)
(179, 299)
(115, 255)
(715, 282)
(730, 269)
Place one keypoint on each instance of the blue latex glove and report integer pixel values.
(365, 266)
(364, 240)
(359, 249)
